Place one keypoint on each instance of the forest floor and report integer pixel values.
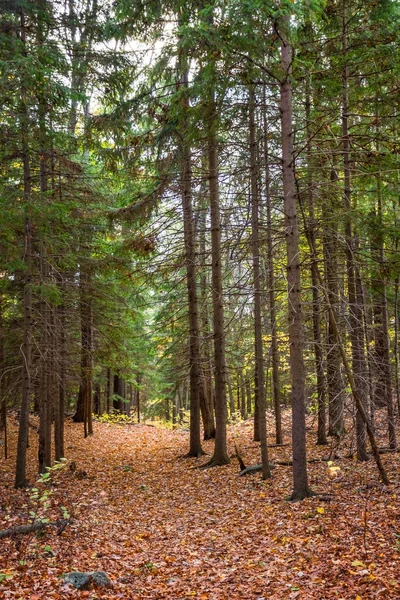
(163, 530)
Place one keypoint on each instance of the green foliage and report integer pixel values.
(40, 497)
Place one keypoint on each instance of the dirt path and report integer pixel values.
(162, 530)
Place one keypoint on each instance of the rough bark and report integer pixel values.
(318, 352)
(108, 391)
(3, 399)
(20, 471)
(195, 448)
(300, 478)
(271, 286)
(118, 390)
(138, 381)
(45, 367)
(336, 390)
(97, 399)
(356, 333)
(220, 456)
(258, 324)
(384, 390)
(83, 412)
(207, 397)
(60, 406)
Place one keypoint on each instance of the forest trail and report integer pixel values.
(162, 530)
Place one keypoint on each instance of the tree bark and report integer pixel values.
(336, 390)
(83, 412)
(195, 448)
(319, 358)
(384, 389)
(271, 286)
(3, 399)
(258, 324)
(62, 357)
(220, 456)
(20, 471)
(118, 389)
(353, 283)
(300, 478)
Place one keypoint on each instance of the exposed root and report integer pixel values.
(213, 463)
(301, 495)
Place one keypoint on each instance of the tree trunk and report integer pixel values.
(20, 471)
(300, 478)
(83, 412)
(220, 456)
(60, 406)
(258, 324)
(3, 400)
(207, 397)
(243, 396)
(97, 399)
(138, 381)
(336, 389)
(382, 345)
(396, 341)
(45, 396)
(231, 396)
(108, 391)
(195, 448)
(271, 286)
(319, 359)
(118, 389)
(353, 283)
(206, 406)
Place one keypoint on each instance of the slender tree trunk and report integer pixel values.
(3, 400)
(195, 448)
(368, 336)
(60, 406)
(108, 391)
(258, 324)
(206, 406)
(271, 285)
(248, 397)
(231, 396)
(256, 423)
(45, 396)
(84, 408)
(20, 471)
(97, 399)
(138, 381)
(382, 344)
(207, 398)
(220, 456)
(353, 286)
(319, 358)
(300, 478)
(118, 389)
(396, 341)
(244, 390)
(336, 390)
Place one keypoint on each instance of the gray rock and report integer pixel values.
(100, 578)
(79, 580)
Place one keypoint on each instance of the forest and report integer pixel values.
(199, 299)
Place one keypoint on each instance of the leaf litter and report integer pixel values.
(161, 529)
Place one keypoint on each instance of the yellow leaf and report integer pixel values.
(320, 510)
(357, 563)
